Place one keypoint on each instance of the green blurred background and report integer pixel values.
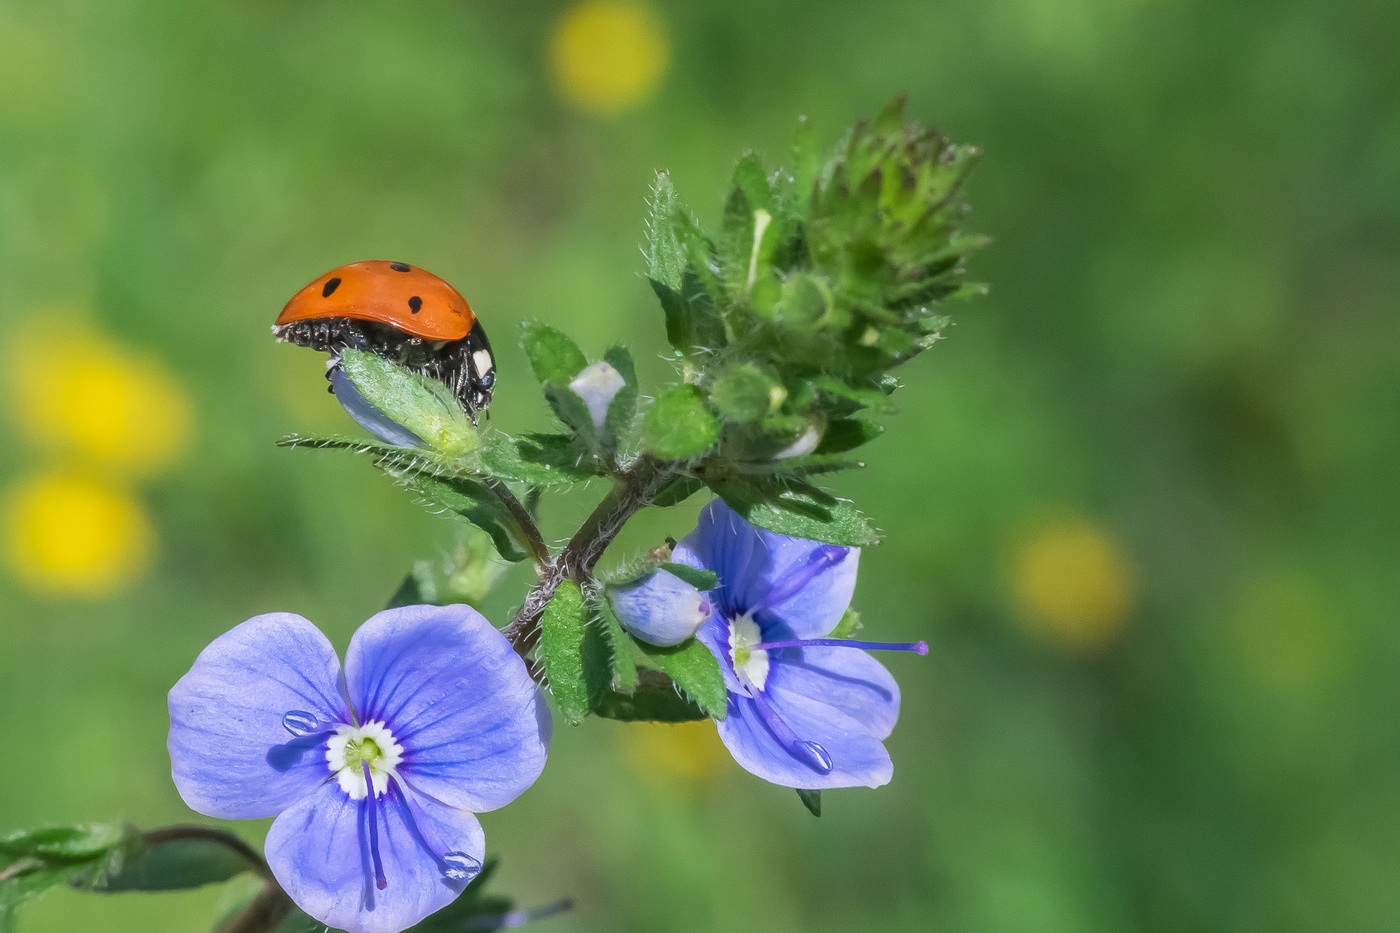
(1142, 502)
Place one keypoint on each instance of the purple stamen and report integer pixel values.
(379, 880)
(812, 754)
(918, 647)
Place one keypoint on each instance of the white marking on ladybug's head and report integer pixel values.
(484, 362)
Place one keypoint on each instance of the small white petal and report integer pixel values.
(598, 384)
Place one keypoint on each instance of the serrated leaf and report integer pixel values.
(554, 357)
(811, 799)
(693, 322)
(677, 426)
(655, 699)
(623, 407)
(575, 654)
(695, 670)
(424, 406)
(700, 579)
(472, 501)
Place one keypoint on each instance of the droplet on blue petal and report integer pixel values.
(299, 722)
(815, 755)
(459, 866)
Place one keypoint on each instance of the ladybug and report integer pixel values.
(405, 314)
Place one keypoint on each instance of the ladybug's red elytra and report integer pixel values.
(402, 312)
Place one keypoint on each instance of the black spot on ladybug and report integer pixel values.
(400, 267)
(415, 304)
(331, 286)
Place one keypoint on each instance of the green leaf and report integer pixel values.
(800, 511)
(174, 865)
(540, 460)
(700, 579)
(811, 799)
(423, 405)
(408, 593)
(694, 668)
(846, 434)
(667, 250)
(655, 699)
(33, 861)
(474, 909)
(744, 392)
(677, 426)
(472, 501)
(623, 407)
(571, 409)
(554, 356)
(575, 654)
(624, 666)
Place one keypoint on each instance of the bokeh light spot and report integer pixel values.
(663, 754)
(608, 55)
(72, 536)
(88, 396)
(1072, 583)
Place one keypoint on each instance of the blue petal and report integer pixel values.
(319, 852)
(230, 755)
(847, 680)
(457, 697)
(661, 609)
(725, 543)
(799, 588)
(858, 758)
(370, 418)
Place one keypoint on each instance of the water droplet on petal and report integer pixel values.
(299, 722)
(815, 755)
(459, 866)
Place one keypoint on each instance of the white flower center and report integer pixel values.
(353, 747)
(750, 663)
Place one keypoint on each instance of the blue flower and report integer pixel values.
(374, 774)
(804, 710)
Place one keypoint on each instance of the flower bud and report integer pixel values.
(597, 385)
(660, 609)
(370, 418)
(806, 442)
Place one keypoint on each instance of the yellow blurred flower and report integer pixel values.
(663, 752)
(608, 55)
(85, 395)
(72, 536)
(1073, 584)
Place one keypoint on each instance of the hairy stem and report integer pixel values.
(632, 491)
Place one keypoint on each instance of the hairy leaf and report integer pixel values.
(422, 405)
(744, 392)
(656, 698)
(624, 666)
(700, 579)
(554, 357)
(787, 506)
(174, 865)
(623, 407)
(694, 668)
(473, 501)
(677, 426)
(678, 490)
(575, 654)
